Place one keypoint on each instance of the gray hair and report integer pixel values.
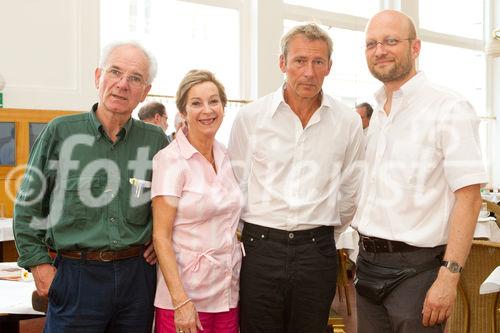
(152, 64)
(310, 31)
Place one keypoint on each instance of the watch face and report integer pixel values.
(453, 266)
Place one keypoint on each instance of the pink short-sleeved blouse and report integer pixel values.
(204, 232)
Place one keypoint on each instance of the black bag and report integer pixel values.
(375, 282)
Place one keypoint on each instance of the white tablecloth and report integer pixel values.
(6, 233)
(487, 228)
(16, 295)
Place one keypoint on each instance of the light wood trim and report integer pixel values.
(32, 115)
(21, 118)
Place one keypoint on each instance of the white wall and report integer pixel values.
(49, 51)
(494, 97)
(50, 48)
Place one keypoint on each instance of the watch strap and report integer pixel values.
(452, 266)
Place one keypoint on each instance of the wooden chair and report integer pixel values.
(335, 323)
(342, 279)
(475, 313)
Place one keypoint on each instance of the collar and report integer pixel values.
(406, 90)
(99, 129)
(187, 150)
(279, 98)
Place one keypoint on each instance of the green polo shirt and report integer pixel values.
(77, 193)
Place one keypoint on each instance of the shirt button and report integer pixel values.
(113, 220)
(291, 235)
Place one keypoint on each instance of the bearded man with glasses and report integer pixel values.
(420, 196)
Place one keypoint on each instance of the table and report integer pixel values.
(487, 228)
(15, 302)
(8, 250)
(492, 283)
(16, 295)
(6, 232)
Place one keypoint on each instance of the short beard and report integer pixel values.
(399, 72)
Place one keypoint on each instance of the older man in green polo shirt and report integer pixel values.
(85, 202)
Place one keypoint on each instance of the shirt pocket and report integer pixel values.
(139, 205)
(411, 165)
(79, 200)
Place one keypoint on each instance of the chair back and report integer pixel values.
(474, 313)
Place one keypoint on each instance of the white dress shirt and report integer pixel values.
(296, 178)
(427, 148)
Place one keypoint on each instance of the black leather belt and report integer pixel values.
(287, 237)
(374, 245)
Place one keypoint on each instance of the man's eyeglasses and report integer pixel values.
(386, 42)
(132, 79)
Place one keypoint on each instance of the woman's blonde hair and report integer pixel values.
(192, 78)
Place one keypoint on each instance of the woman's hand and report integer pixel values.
(186, 319)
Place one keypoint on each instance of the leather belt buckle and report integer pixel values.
(368, 244)
(106, 256)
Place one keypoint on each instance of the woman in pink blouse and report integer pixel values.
(196, 208)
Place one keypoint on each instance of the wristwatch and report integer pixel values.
(453, 266)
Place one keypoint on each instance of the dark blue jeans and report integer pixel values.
(91, 296)
(288, 280)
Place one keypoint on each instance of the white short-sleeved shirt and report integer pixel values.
(427, 148)
(204, 232)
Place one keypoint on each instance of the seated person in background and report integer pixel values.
(179, 124)
(154, 113)
(365, 111)
(196, 209)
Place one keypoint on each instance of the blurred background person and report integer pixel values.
(178, 125)
(154, 113)
(197, 204)
(365, 111)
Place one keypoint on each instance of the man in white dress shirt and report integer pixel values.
(420, 198)
(294, 153)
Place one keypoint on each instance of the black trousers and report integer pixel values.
(288, 280)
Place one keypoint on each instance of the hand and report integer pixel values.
(149, 253)
(186, 319)
(43, 275)
(440, 298)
